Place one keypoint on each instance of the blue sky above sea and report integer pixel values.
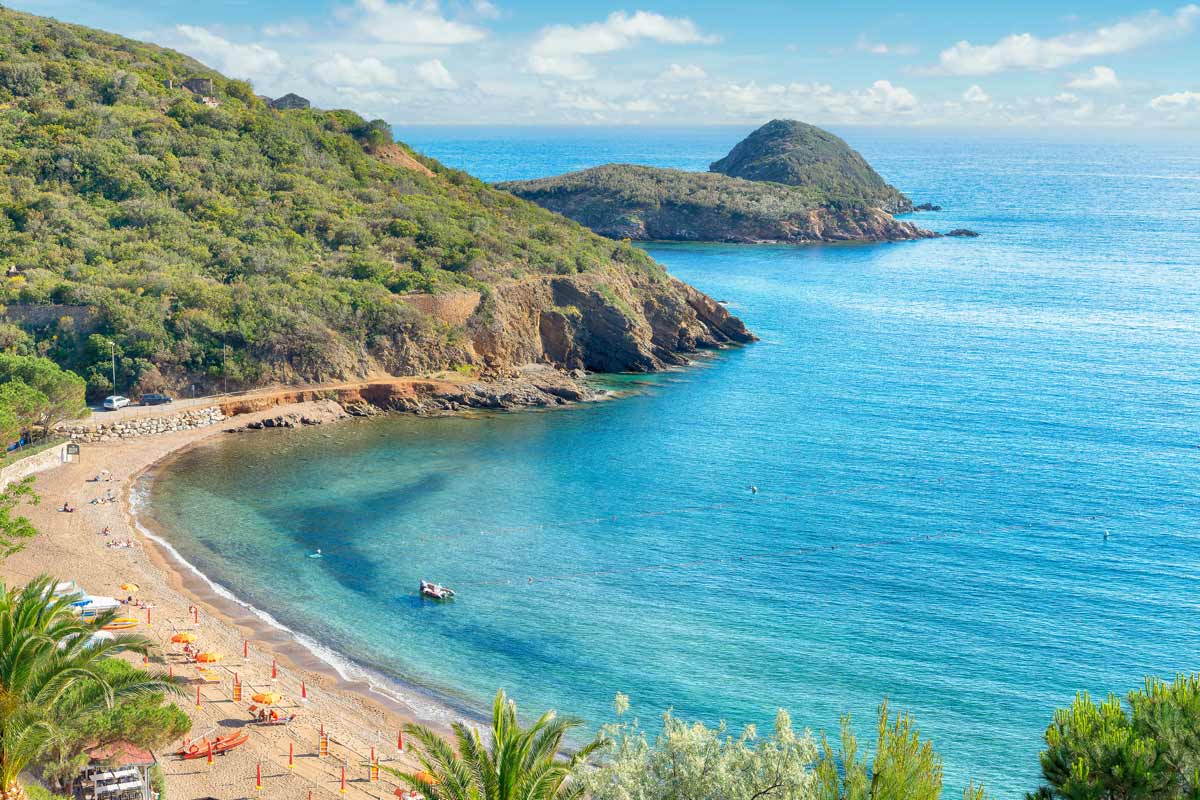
(503, 62)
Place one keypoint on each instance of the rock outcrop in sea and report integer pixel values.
(786, 182)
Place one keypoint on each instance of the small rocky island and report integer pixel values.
(786, 182)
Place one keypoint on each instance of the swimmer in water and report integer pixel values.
(316, 554)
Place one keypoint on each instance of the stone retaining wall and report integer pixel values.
(47, 459)
(145, 426)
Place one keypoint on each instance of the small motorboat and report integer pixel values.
(436, 591)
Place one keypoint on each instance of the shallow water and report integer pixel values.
(941, 432)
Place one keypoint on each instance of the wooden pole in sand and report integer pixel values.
(258, 777)
(343, 789)
(303, 691)
(210, 758)
(245, 649)
(400, 740)
(291, 762)
(197, 695)
(274, 671)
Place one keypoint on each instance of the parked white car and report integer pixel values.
(115, 401)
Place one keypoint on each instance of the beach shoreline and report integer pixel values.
(294, 650)
(359, 716)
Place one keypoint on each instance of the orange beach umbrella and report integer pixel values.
(267, 698)
(426, 778)
(208, 658)
(130, 587)
(183, 638)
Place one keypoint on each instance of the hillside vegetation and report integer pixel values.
(176, 225)
(805, 156)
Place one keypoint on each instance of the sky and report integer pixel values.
(1018, 64)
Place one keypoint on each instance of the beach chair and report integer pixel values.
(281, 721)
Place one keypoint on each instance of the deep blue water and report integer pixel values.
(941, 433)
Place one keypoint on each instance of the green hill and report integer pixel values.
(797, 154)
(176, 222)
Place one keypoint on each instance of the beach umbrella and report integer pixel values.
(267, 698)
(208, 658)
(426, 778)
(130, 587)
(183, 638)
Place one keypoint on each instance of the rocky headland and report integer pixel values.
(786, 182)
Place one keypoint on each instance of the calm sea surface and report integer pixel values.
(941, 432)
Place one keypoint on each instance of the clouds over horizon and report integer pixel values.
(454, 61)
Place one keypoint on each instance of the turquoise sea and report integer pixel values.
(941, 433)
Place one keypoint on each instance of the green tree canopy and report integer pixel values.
(1145, 749)
(62, 389)
(21, 407)
(14, 529)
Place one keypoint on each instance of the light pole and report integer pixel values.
(224, 365)
(113, 348)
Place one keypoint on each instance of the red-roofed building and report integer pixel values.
(118, 771)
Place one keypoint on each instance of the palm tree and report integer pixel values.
(520, 764)
(50, 673)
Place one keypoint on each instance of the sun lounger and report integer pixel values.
(281, 721)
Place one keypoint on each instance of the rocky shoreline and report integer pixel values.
(530, 386)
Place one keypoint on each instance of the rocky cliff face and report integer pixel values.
(608, 321)
(614, 323)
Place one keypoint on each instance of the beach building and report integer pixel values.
(117, 771)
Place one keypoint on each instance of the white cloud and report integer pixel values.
(1178, 101)
(642, 106)
(684, 72)
(434, 73)
(486, 9)
(884, 49)
(237, 60)
(1098, 78)
(883, 96)
(411, 22)
(342, 70)
(560, 49)
(976, 94)
(289, 29)
(811, 100)
(1026, 51)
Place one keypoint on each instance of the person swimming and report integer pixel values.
(316, 554)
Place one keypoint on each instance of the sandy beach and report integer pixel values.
(71, 546)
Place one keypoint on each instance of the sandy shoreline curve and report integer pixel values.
(360, 715)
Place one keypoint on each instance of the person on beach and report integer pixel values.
(67, 508)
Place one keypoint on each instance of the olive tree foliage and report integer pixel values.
(691, 760)
(695, 761)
